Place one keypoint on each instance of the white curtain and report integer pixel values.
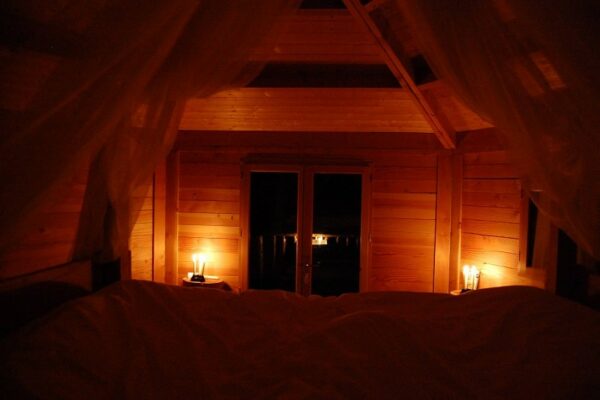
(113, 103)
(531, 69)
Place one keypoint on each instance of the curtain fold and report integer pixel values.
(530, 69)
(114, 104)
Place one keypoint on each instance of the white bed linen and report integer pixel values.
(143, 340)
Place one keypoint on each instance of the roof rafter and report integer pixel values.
(441, 128)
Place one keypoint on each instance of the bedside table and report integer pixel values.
(208, 283)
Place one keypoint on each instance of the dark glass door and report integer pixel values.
(273, 230)
(336, 230)
(305, 230)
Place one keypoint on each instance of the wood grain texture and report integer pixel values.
(456, 227)
(306, 110)
(396, 62)
(159, 222)
(323, 36)
(171, 221)
(459, 116)
(50, 239)
(141, 239)
(208, 214)
(402, 213)
(492, 224)
(403, 208)
(443, 225)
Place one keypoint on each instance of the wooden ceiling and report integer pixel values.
(339, 67)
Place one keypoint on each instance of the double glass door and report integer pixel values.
(304, 229)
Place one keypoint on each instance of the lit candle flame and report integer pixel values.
(199, 260)
(470, 277)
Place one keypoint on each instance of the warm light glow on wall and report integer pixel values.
(205, 262)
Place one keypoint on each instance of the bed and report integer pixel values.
(138, 339)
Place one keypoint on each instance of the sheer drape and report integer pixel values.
(114, 103)
(531, 69)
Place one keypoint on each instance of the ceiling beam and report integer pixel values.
(441, 128)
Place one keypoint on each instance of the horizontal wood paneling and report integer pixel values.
(490, 199)
(393, 226)
(491, 228)
(424, 173)
(491, 218)
(492, 185)
(209, 215)
(208, 194)
(486, 158)
(306, 110)
(225, 245)
(382, 146)
(209, 206)
(404, 278)
(211, 219)
(404, 186)
(402, 216)
(489, 171)
(496, 214)
(141, 239)
(324, 36)
(50, 239)
(403, 203)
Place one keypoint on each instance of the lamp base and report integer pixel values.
(197, 278)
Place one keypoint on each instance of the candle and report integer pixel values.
(466, 275)
(201, 263)
(194, 260)
(475, 273)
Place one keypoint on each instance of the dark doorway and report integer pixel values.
(336, 233)
(273, 227)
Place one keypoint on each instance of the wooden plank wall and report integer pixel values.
(403, 209)
(323, 36)
(209, 213)
(141, 239)
(306, 110)
(50, 240)
(404, 198)
(491, 217)
(403, 223)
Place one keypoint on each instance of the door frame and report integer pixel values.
(306, 171)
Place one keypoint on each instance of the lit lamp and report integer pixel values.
(470, 277)
(199, 260)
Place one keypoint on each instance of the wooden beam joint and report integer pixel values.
(441, 128)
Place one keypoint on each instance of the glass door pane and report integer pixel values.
(273, 230)
(336, 233)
